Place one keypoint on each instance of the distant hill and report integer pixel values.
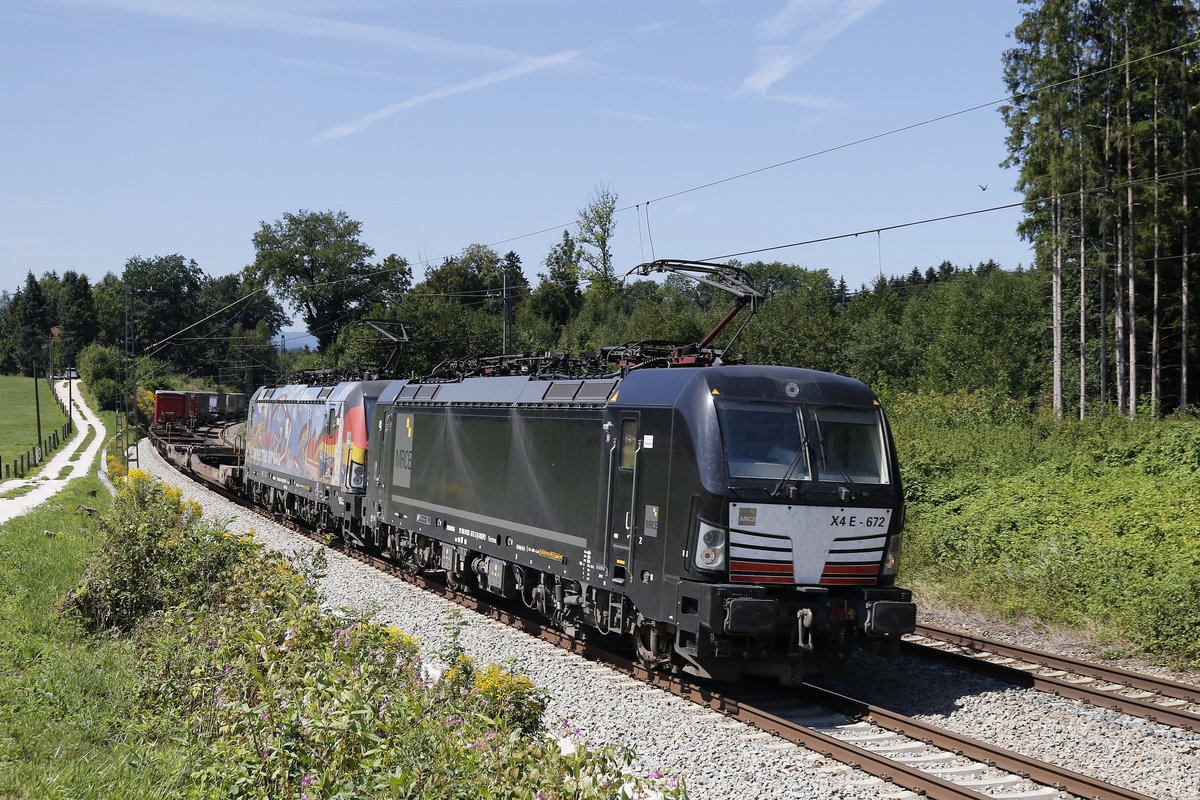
(298, 339)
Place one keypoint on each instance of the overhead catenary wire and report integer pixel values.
(779, 164)
(913, 223)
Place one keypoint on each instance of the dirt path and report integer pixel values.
(65, 465)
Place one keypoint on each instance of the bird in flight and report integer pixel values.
(982, 187)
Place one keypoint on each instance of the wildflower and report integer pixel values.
(307, 779)
(266, 752)
(654, 775)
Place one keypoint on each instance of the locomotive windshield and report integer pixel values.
(762, 440)
(768, 440)
(850, 444)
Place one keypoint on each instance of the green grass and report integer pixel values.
(18, 423)
(65, 704)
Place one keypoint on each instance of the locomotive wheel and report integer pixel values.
(457, 582)
(641, 638)
(648, 639)
(569, 625)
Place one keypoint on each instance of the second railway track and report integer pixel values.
(1144, 696)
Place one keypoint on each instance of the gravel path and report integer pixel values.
(67, 464)
(719, 759)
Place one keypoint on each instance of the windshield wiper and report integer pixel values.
(800, 453)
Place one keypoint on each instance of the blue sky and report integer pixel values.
(151, 127)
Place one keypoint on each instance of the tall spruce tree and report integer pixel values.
(1104, 93)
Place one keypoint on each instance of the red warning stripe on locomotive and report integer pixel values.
(851, 569)
(849, 574)
(760, 572)
(748, 566)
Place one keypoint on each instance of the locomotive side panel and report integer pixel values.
(289, 438)
(518, 483)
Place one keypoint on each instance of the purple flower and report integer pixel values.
(654, 775)
(307, 779)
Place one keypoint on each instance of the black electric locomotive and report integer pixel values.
(735, 520)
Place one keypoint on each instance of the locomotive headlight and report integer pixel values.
(710, 547)
(357, 474)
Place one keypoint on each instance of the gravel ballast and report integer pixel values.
(719, 759)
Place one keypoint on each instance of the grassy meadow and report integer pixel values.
(66, 708)
(18, 420)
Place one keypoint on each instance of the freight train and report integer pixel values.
(188, 409)
(733, 521)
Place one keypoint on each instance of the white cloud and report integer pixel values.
(529, 65)
(819, 21)
(648, 120)
(268, 19)
(806, 100)
(653, 26)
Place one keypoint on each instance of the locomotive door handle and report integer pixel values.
(608, 510)
(633, 489)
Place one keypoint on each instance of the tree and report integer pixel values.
(30, 325)
(108, 302)
(596, 223)
(317, 261)
(161, 296)
(76, 315)
(557, 298)
(1104, 96)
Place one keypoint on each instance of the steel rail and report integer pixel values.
(1075, 783)
(1143, 708)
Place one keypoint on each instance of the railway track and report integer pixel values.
(1144, 696)
(918, 759)
(915, 758)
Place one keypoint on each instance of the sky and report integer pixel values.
(153, 127)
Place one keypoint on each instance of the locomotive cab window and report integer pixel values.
(763, 440)
(628, 443)
(851, 445)
(369, 408)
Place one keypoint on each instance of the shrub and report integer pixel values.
(1084, 524)
(104, 390)
(155, 553)
(271, 697)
